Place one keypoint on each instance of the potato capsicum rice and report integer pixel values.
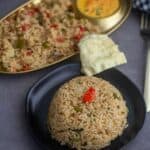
(41, 34)
(87, 113)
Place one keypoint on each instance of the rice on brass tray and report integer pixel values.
(41, 34)
(87, 113)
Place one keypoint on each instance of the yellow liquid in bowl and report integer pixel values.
(98, 8)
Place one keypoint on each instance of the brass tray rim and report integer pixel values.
(124, 17)
(15, 10)
(40, 68)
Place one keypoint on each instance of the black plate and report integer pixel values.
(42, 92)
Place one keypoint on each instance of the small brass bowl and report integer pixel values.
(112, 22)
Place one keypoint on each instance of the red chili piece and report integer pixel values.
(82, 29)
(60, 39)
(25, 67)
(33, 11)
(78, 36)
(36, 9)
(29, 53)
(25, 27)
(89, 95)
(48, 15)
(54, 26)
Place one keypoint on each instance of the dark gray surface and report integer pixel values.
(14, 134)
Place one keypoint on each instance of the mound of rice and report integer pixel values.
(89, 126)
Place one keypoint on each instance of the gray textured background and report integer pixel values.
(14, 134)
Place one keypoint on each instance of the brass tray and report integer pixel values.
(107, 25)
(112, 23)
